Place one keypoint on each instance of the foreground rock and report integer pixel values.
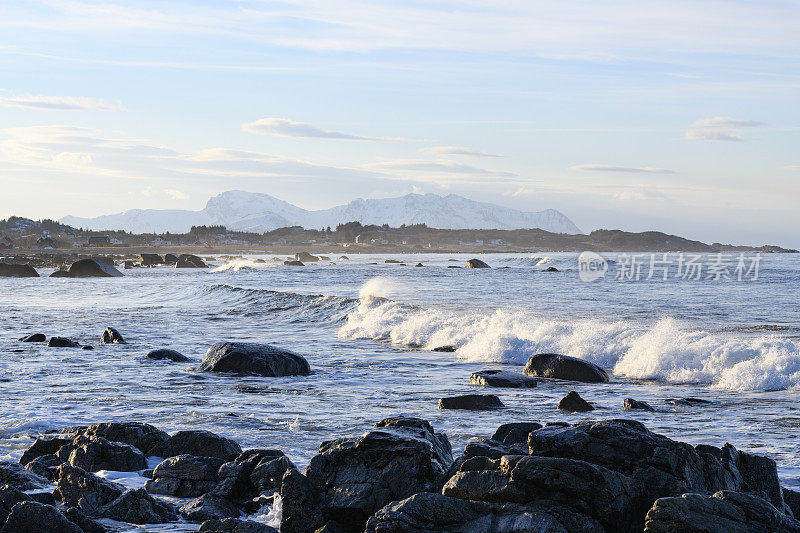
(515, 432)
(8, 270)
(234, 525)
(33, 517)
(190, 261)
(554, 366)
(112, 336)
(198, 443)
(15, 475)
(252, 473)
(351, 479)
(185, 476)
(165, 353)
(149, 260)
(34, 337)
(143, 437)
(88, 268)
(476, 263)
(472, 402)
(573, 403)
(252, 358)
(306, 257)
(725, 511)
(502, 378)
(96, 453)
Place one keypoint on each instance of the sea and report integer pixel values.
(369, 329)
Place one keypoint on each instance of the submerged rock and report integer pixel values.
(725, 511)
(448, 349)
(8, 270)
(61, 342)
(476, 263)
(550, 269)
(35, 337)
(501, 378)
(687, 402)
(112, 336)
(472, 402)
(629, 404)
(294, 263)
(253, 358)
(198, 443)
(166, 353)
(555, 366)
(574, 403)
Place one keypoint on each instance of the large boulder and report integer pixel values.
(88, 268)
(253, 358)
(502, 378)
(46, 445)
(554, 366)
(725, 511)
(433, 512)
(138, 507)
(9, 497)
(306, 257)
(190, 261)
(209, 507)
(96, 453)
(476, 263)
(76, 487)
(198, 443)
(61, 342)
(167, 354)
(353, 478)
(137, 434)
(9, 270)
(185, 476)
(34, 337)
(234, 525)
(515, 432)
(170, 259)
(471, 402)
(18, 477)
(33, 517)
(112, 336)
(252, 473)
(148, 260)
(611, 498)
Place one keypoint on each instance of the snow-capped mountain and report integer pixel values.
(246, 211)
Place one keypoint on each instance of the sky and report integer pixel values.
(677, 116)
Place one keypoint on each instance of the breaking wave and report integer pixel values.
(663, 350)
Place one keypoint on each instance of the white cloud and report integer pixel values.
(283, 127)
(595, 167)
(175, 194)
(719, 129)
(59, 103)
(456, 150)
(640, 194)
(792, 167)
(437, 168)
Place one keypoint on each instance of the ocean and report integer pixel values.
(368, 330)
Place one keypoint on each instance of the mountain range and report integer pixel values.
(256, 212)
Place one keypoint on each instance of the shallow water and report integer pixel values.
(368, 331)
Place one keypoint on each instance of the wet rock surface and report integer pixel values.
(198, 443)
(555, 366)
(502, 378)
(167, 354)
(471, 402)
(185, 476)
(112, 336)
(573, 403)
(253, 358)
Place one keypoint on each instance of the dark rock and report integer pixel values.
(112, 336)
(199, 443)
(33, 517)
(46, 498)
(61, 342)
(96, 453)
(148, 260)
(8, 270)
(9, 497)
(185, 476)
(554, 366)
(608, 497)
(574, 403)
(392, 261)
(44, 465)
(138, 507)
(550, 269)
(725, 511)
(300, 512)
(502, 378)
(486, 448)
(515, 432)
(209, 507)
(36, 337)
(760, 475)
(77, 488)
(686, 402)
(294, 263)
(234, 525)
(44, 446)
(190, 261)
(253, 358)
(87, 347)
(419, 265)
(17, 476)
(165, 353)
(446, 349)
(629, 404)
(88, 525)
(141, 436)
(476, 263)
(127, 265)
(170, 259)
(92, 268)
(306, 257)
(351, 479)
(791, 499)
(267, 474)
(433, 512)
(453, 266)
(472, 402)
(344, 258)
(60, 274)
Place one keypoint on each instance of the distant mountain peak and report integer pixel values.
(260, 212)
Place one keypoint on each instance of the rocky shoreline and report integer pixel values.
(611, 475)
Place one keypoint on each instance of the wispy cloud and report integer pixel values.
(596, 167)
(792, 167)
(456, 150)
(719, 129)
(283, 127)
(175, 194)
(437, 167)
(59, 103)
(640, 194)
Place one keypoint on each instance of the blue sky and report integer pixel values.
(677, 116)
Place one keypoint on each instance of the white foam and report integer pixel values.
(663, 349)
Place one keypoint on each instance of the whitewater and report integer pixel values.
(370, 331)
